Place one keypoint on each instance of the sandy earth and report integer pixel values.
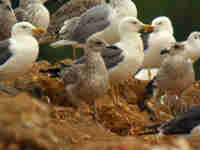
(41, 118)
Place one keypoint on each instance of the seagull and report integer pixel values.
(192, 45)
(19, 52)
(176, 72)
(186, 124)
(33, 11)
(88, 81)
(127, 55)
(161, 38)
(104, 18)
(7, 19)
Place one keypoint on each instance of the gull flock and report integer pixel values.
(116, 44)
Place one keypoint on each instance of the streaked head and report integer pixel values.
(5, 5)
(96, 44)
(133, 25)
(162, 23)
(26, 28)
(176, 48)
(25, 3)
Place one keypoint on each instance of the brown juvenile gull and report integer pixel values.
(19, 52)
(88, 81)
(161, 38)
(104, 17)
(126, 56)
(7, 19)
(186, 124)
(33, 11)
(176, 74)
(191, 51)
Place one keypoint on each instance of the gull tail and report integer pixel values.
(55, 72)
(153, 130)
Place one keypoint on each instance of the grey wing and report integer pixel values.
(21, 14)
(112, 56)
(92, 21)
(68, 28)
(5, 52)
(71, 75)
(145, 40)
(185, 123)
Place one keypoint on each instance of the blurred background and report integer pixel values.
(183, 13)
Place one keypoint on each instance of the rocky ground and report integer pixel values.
(41, 118)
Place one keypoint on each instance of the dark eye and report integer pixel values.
(1, 2)
(98, 42)
(134, 22)
(196, 37)
(24, 27)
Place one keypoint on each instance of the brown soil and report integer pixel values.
(41, 118)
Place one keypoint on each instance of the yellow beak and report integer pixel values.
(148, 28)
(38, 31)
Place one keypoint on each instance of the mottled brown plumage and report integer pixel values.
(88, 81)
(7, 19)
(176, 72)
(34, 12)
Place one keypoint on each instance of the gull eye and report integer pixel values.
(134, 22)
(1, 2)
(176, 46)
(159, 23)
(24, 27)
(99, 42)
(195, 37)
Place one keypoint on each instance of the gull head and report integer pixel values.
(162, 23)
(194, 40)
(95, 44)
(133, 25)
(192, 45)
(26, 28)
(5, 5)
(24, 3)
(176, 48)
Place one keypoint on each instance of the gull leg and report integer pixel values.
(96, 115)
(74, 52)
(9, 90)
(149, 74)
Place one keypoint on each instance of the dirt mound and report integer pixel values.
(41, 117)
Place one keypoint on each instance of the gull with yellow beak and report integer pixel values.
(161, 38)
(18, 53)
(126, 56)
(104, 18)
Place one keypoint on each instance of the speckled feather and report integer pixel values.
(7, 19)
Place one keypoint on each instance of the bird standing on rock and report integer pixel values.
(7, 19)
(161, 38)
(127, 56)
(176, 72)
(18, 53)
(88, 81)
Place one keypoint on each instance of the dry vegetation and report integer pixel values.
(40, 117)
